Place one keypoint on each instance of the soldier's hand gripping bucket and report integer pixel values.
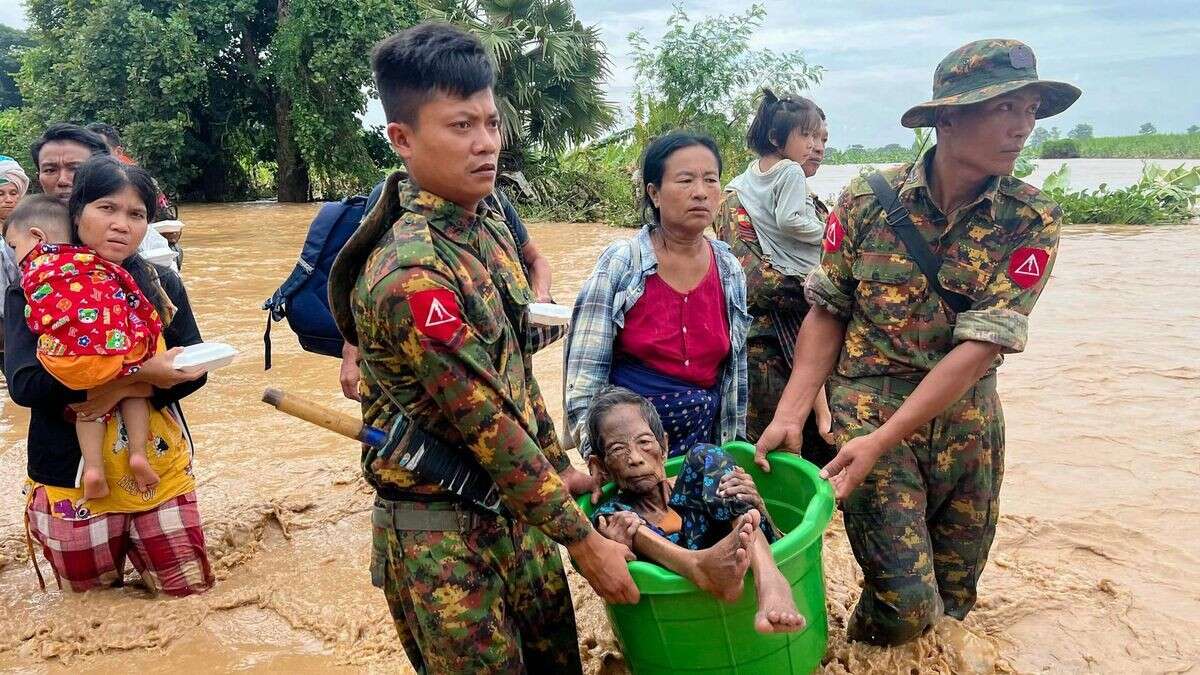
(677, 628)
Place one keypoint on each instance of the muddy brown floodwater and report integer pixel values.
(1096, 566)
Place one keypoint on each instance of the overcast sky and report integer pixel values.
(1136, 61)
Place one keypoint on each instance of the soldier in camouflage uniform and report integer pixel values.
(916, 416)
(431, 291)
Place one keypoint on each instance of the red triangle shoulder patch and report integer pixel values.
(1027, 265)
(436, 313)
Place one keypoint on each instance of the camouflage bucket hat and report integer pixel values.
(985, 69)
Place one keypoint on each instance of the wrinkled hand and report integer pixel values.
(779, 435)
(577, 482)
(348, 375)
(160, 372)
(603, 563)
(620, 527)
(852, 464)
(739, 485)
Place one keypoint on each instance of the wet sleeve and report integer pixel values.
(452, 364)
(794, 209)
(1000, 315)
(29, 383)
(831, 284)
(540, 337)
(182, 332)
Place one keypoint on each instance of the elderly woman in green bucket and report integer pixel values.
(708, 524)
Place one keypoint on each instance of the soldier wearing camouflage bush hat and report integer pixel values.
(929, 273)
(983, 70)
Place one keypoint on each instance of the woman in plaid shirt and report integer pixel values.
(664, 313)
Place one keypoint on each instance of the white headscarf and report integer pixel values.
(11, 172)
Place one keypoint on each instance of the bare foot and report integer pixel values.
(721, 568)
(143, 475)
(776, 609)
(94, 485)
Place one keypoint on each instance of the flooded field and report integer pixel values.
(1096, 566)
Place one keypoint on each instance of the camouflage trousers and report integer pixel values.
(922, 522)
(489, 597)
(768, 374)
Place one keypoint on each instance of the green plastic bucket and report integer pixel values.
(677, 628)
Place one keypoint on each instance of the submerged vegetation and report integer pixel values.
(1161, 196)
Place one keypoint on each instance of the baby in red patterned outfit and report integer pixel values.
(93, 324)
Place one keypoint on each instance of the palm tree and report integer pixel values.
(550, 68)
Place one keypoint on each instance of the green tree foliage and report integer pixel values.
(17, 131)
(12, 41)
(209, 95)
(116, 61)
(1194, 129)
(1081, 131)
(550, 71)
(319, 57)
(704, 75)
(1147, 129)
(1040, 135)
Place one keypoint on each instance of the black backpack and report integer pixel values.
(304, 299)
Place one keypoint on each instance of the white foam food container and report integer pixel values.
(204, 357)
(168, 226)
(549, 314)
(159, 256)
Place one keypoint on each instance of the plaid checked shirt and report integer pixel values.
(612, 290)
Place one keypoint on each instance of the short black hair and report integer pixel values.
(417, 63)
(105, 175)
(109, 132)
(65, 131)
(610, 397)
(654, 162)
(777, 118)
(42, 211)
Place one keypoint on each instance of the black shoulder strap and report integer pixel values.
(918, 248)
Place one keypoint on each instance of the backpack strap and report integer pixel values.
(901, 223)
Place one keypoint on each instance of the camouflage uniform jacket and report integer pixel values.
(767, 289)
(997, 250)
(435, 300)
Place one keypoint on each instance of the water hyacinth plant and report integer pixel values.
(1160, 196)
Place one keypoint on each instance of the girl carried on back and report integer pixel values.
(774, 224)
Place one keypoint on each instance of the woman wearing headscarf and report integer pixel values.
(13, 185)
